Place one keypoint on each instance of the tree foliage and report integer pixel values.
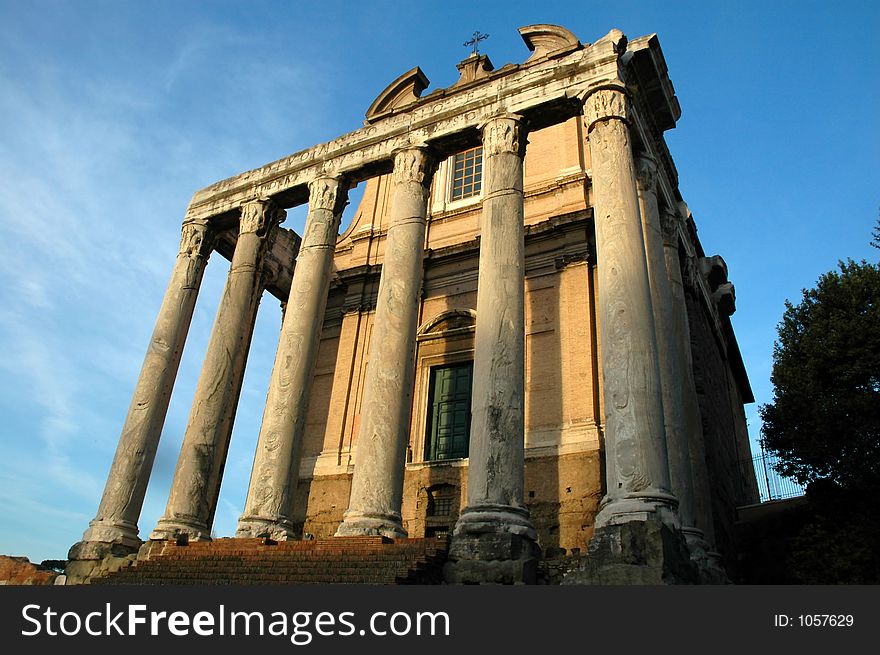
(875, 235)
(824, 421)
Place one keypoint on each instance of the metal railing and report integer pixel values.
(771, 484)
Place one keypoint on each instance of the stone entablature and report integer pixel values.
(545, 92)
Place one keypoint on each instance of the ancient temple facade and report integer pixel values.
(518, 342)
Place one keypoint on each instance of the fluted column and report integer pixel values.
(279, 447)
(670, 357)
(494, 535)
(637, 472)
(120, 508)
(196, 485)
(377, 485)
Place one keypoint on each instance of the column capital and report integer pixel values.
(196, 239)
(690, 275)
(604, 104)
(327, 192)
(646, 168)
(503, 133)
(413, 163)
(669, 226)
(259, 215)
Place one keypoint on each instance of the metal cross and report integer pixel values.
(475, 41)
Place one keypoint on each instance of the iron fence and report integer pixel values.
(771, 484)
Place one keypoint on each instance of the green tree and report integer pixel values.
(824, 421)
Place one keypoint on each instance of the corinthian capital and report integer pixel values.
(326, 193)
(669, 226)
(604, 104)
(412, 164)
(504, 134)
(260, 215)
(196, 239)
(647, 171)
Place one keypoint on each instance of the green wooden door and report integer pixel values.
(449, 415)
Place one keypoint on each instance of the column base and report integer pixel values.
(360, 524)
(172, 529)
(280, 529)
(646, 552)
(120, 534)
(89, 559)
(641, 506)
(493, 544)
(707, 561)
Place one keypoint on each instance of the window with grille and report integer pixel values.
(440, 500)
(467, 173)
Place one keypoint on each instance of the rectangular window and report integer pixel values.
(449, 412)
(467, 173)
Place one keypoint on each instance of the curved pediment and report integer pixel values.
(449, 321)
(544, 39)
(404, 90)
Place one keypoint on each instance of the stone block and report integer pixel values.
(636, 553)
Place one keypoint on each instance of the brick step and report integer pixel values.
(345, 560)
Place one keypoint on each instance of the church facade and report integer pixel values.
(518, 342)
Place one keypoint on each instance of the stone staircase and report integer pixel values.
(338, 560)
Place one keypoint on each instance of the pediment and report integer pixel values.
(403, 91)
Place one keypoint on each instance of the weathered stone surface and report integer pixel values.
(196, 485)
(495, 526)
(120, 508)
(636, 553)
(700, 533)
(670, 357)
(377, 485)
(637, 469)
(279, 447)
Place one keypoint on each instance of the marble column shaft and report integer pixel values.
(279, 447)
(669, 354)
(196, 484)
(637, 471)
(496, 459)
(699, 473)
(120, 508)
(377, 485)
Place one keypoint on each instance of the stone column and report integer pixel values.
(377, 485)
(635, 443)
(279, 447)
(702, 551)
(670, 356)
(493, 539)
(120, 508)
(638, 509)
(196, 485)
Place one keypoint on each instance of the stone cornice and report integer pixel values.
(545, 92)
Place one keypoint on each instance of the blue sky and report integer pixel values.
(112, 114)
